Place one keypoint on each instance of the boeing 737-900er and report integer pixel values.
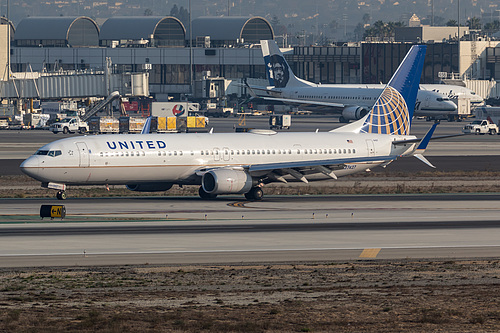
(240, 163)
(350, 101)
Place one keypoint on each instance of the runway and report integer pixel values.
(307, 228)
(187, 230)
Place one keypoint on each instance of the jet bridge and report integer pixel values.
(73, 85)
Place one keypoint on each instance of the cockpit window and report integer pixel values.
(52, 153)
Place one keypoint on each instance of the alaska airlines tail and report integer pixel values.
(393, 111)
(279, 73)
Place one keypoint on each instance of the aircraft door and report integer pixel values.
(298, 150)
(216, 152)
(84, 154)
(371, 147)
(427, 101)
(225, 154)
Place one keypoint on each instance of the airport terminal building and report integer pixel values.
(224, 47)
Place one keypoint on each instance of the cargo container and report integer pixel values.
(131, 124)
(103, 125)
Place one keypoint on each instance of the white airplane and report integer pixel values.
(240, 163)
(351, 101)
(453, 92)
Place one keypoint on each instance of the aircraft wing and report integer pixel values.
(305, 164)
(307, 103)
(303, 103)
(274, 172)
(300, 170)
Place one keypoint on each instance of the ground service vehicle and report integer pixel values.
(283, 121)
(70, 125)
(481, 127)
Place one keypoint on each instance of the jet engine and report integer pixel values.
(150, 187)
(353, 113)
(226, 181)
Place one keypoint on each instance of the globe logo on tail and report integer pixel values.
(389, 115)
(178, 112)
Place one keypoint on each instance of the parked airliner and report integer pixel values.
(351, 101)
(240, 163)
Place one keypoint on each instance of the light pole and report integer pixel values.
(458, 38)
(190, 51)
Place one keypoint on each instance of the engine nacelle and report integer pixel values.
(226, 181)
(354, 112)
(150, 187)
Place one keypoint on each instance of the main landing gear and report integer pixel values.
(61, 195)
(255, 194)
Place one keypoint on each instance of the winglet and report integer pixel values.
(250, 90)
(425, 140)
(423, 145)
(147, 126)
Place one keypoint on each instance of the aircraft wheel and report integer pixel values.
(206, 196)
(255, 193)
(61, 195)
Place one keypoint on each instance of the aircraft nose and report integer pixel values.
(451, 106)
(30, 166)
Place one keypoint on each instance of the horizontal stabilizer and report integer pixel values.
(423, 159)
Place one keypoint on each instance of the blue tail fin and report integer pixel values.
(393, 111)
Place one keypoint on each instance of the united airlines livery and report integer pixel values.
(240, 163)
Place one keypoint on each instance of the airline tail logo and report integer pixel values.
(393, 110)
(389, 115)
(278, 71)
(178, 110)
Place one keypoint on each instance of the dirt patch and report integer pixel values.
(358, 296)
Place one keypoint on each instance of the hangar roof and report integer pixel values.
(252, 29)
(44, 28)
(137, 27)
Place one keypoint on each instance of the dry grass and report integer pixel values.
(365, 183)
(358, 296)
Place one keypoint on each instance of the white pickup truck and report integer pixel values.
(481, 127)
(69, 125)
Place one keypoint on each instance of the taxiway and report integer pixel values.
(282, 228)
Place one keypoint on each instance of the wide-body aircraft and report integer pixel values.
(350, 101)
(240, 163)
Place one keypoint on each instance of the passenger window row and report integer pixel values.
(238, 152)
(122, 154)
